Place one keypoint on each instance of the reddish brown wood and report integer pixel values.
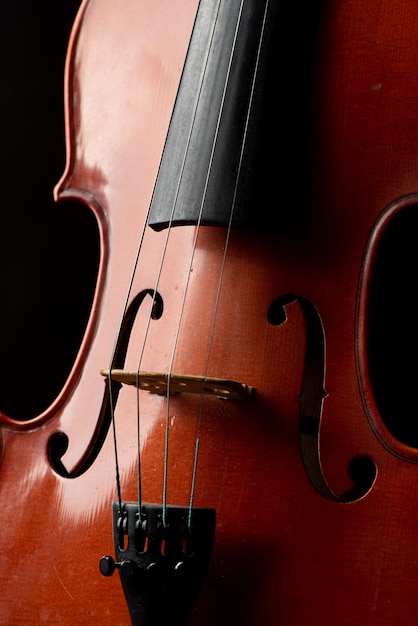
(283, 553)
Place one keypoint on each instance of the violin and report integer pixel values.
(234, 443)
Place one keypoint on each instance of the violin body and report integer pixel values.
(313, 488)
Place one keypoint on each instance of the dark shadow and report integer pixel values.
(48, 252)
(391, 325)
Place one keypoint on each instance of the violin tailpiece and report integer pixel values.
(162, 554)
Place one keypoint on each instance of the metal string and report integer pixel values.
(169, 227)
(112, 359)
(197, 441)
(134, 272)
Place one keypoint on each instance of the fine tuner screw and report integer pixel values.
(128, 568)
(108, 566)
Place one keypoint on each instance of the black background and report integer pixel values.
(48, 251)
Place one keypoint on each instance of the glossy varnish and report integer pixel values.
(294, 320)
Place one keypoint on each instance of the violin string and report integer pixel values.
(138, 369)
(113, 421)
(164, 252)
(125, 308)
(198, 224)
(222, 271)
(216, 134)
(212, 330)
(113, 354)
(112, 360)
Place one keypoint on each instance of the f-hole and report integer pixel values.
(59, 442)
(361, 470)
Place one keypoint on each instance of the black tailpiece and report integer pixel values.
(162, 562)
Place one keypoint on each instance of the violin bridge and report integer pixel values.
(165, 384)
